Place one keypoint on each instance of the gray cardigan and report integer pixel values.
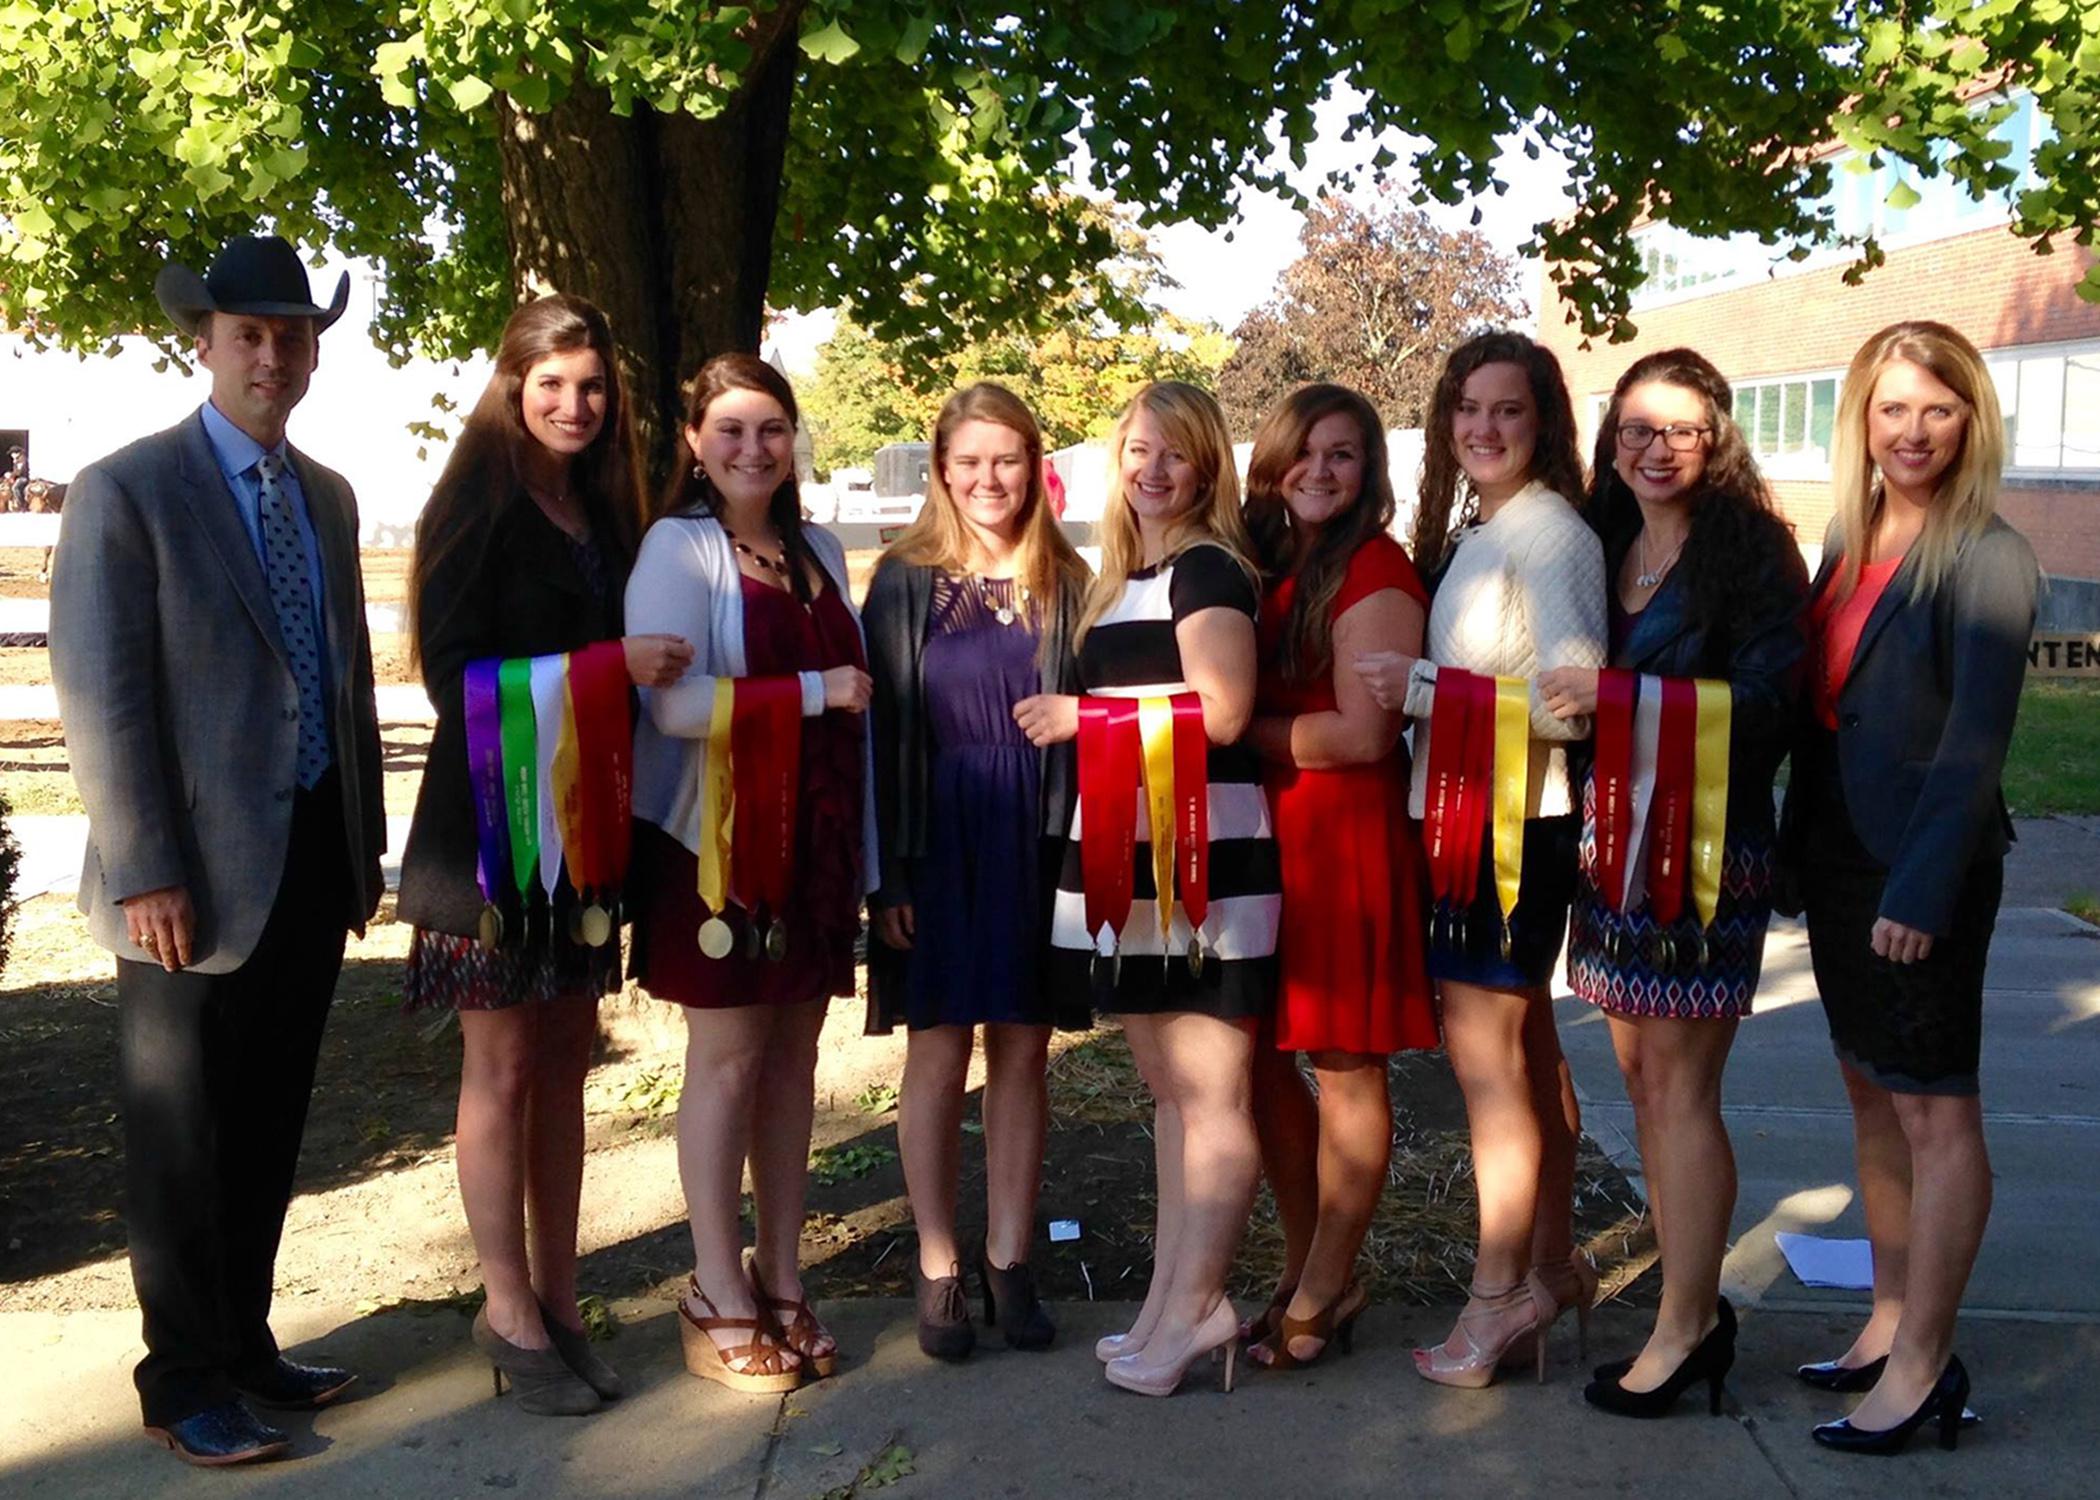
(1924, 720)
(899, 605)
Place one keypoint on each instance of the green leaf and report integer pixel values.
(830, 44)
(1903, 195)
(911, 46)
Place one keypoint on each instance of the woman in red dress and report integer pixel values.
(1355, 988)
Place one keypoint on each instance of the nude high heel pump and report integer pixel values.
(1219, 1335)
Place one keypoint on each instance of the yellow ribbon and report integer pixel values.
(1709, 795)
(1156, 734)
(1512, 789)
(717, 800)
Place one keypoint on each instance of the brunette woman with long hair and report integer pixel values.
(1353, 987)
(1706, 582)
(1896, 830)
(971, 610)
(1518, 588)
(730, 565)
(522, 551)
(1172, 613)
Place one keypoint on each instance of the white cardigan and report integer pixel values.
(686, 582)
(1524, 591)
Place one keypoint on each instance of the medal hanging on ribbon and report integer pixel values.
(1192, 819)
(716, 816)
(1612, 781)
(765, 766)
(1108, 793)
(550, 718)
(521, 775)
(596, 793)
(484, 726)
(1443, 835)
(1670, 815)
(1512, 792)
(1709, 833)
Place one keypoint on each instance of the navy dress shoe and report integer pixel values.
(290, 1386)
(224, 1434)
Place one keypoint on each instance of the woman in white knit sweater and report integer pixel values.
(1518, 587)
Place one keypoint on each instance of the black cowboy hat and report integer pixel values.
(258, 275)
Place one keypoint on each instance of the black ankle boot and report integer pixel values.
(945, 1331)
(1013, 1288)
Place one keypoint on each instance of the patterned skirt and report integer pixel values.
(446, 972)
(1631, 965)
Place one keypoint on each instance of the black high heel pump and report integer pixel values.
(1942, 1404)
(1710, 1362)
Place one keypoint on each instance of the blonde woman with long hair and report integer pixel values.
(971, 610)
(1173, 612)
(1896, 828)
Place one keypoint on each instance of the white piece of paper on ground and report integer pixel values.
(1815, 1261)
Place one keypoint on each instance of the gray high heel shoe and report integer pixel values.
(545, 1385)
(576, 1352)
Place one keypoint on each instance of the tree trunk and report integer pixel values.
(664, 221)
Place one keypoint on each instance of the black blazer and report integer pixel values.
(1924, 720)
(1759, 648)
(515, 590)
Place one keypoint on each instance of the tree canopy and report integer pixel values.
(680, 164)
(1379, 296)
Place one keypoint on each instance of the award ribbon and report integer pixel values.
(485, 776)
(1192, 818)
(597, 750)
(1156, 734)
(1612, 781)
(521, 776)
(550, 703)
(1512, 788)
(717, 811)
(1108, 784)
(765, 767)
(1440, 822)
(1716, 711)
(1670, 816)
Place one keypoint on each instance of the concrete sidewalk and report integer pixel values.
(1010, 1424)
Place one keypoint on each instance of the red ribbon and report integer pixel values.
(1442, 802)
(1108, 796)
(598, 854)
(1617, 691)
(1670, 814)
(765, 754)
(1192, 809)
(1476, 778)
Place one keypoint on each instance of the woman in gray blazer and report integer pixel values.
(1896, 830)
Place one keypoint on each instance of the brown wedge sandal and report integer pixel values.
(801, 1331)
(759, 1366)
(1332, 1325)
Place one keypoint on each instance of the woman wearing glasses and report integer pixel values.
(1897, 828)
(1706, 583)
(1518, 588)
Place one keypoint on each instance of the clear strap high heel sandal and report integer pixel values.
(1494, 1326)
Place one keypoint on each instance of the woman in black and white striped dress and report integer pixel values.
(1173, 612)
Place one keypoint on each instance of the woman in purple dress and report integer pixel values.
(971, 611)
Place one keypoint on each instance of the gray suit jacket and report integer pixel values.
(180, 710)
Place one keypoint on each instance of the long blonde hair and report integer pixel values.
(1193, 424)
(938, 537)
(1967, 497)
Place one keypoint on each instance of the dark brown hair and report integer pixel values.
(1732, 517)
(484, 477)
(1308, 639)
(1556, 457)
(690, 490)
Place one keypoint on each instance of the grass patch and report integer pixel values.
(2051, 767)
(2083, 905)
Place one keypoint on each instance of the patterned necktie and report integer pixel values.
(292, 596)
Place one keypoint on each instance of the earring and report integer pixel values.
(698, 472)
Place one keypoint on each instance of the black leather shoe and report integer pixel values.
(219, 1435)
(1829, 1375)
(1709, 1362)
(1944, 1406)
(290, 1386)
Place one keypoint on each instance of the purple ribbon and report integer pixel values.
(485, 772)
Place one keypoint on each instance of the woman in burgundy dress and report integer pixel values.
(1355, 986)
(729, 566)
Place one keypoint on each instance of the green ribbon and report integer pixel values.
(521, 771)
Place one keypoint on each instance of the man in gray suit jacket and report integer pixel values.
(213, 669)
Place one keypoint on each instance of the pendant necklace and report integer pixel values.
(1001, 611)
(1654, 573)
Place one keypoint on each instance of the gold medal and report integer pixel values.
(594, 923)
(777, 941)
(716, 940)
(491, 927)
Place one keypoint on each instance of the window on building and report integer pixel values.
(1788, 423)
(2052, 406)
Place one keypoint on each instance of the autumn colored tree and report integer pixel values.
(1375, 300)
(682, 164)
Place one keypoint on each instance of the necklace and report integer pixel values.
(773, 565)
(1652, 573)
(1002, 611)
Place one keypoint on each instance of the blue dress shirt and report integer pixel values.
(238, 455)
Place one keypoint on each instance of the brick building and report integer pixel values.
(1783, 332)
